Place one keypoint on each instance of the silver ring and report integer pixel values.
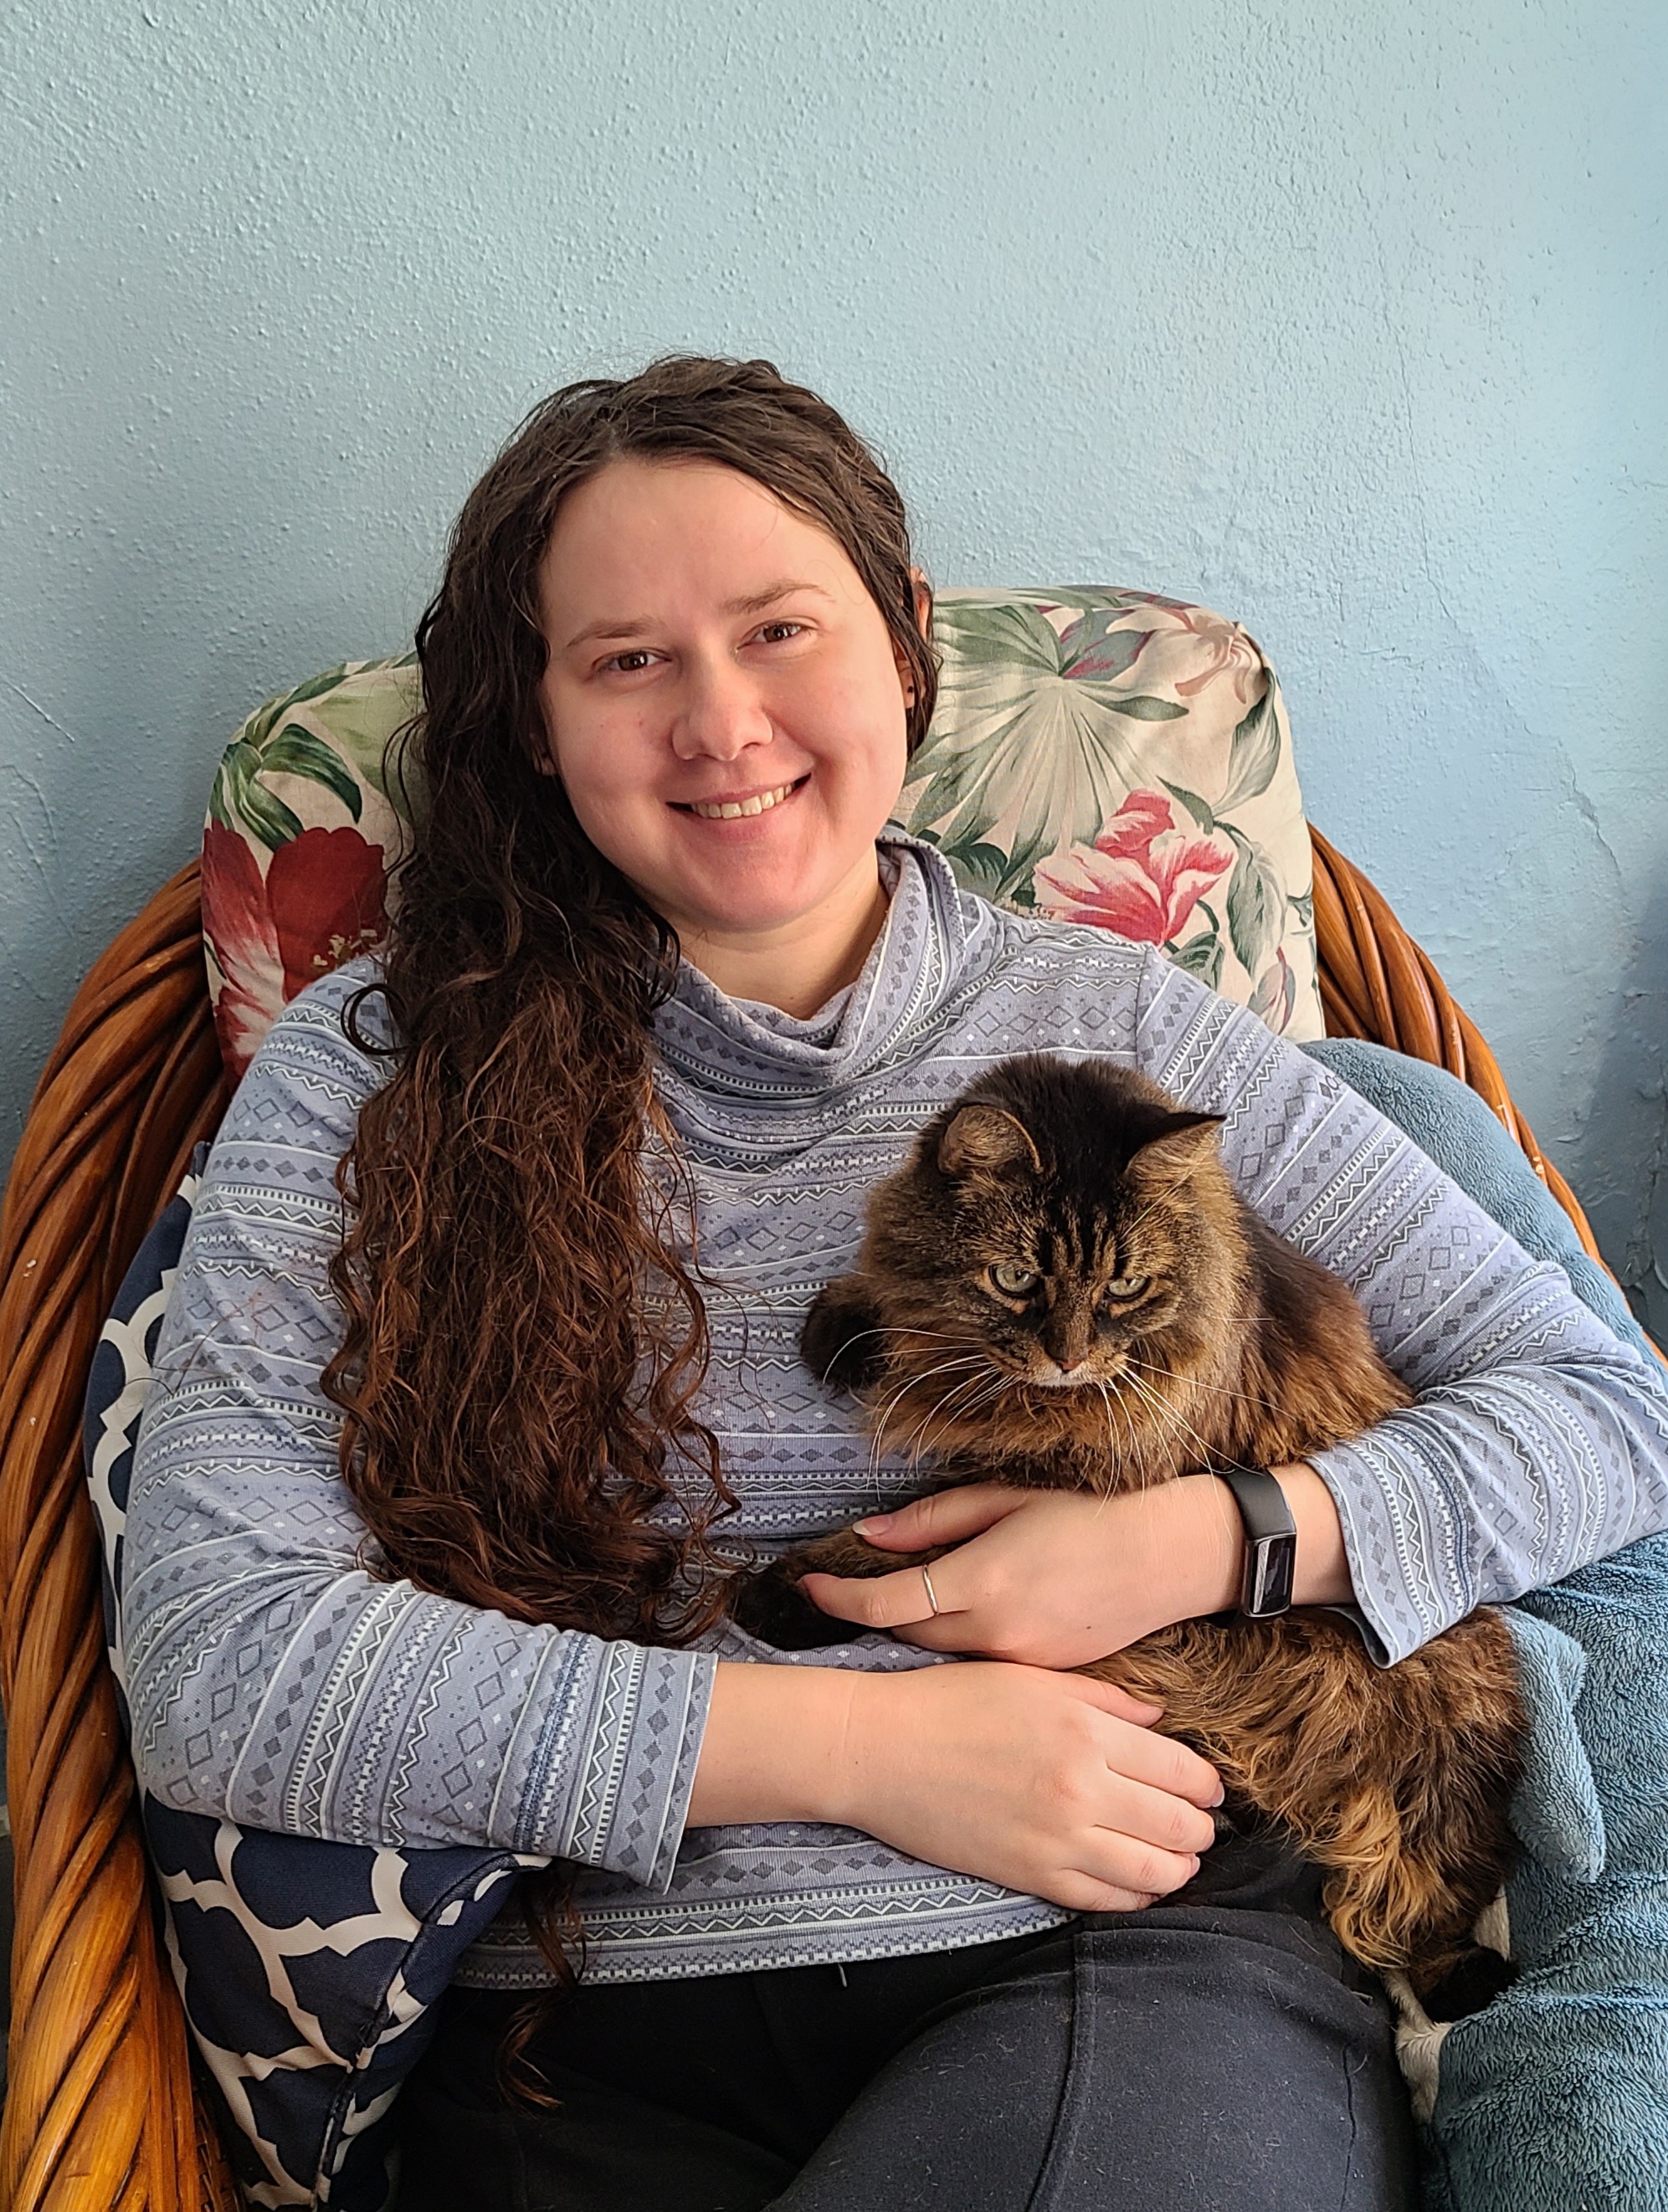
(931, 1600)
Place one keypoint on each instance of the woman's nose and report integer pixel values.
(721, 714)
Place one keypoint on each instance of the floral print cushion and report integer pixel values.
(302, 830)
(1098, 755)
(1120, 759)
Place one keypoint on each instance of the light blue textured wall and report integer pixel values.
(1350, 322)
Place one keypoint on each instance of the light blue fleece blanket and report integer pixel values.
(1554, 2098)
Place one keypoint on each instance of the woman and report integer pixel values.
(859, 1929)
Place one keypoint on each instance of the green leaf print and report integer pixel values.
(247, 803)
(1275, 995)
(1011, 635)
(363, 716)
(296, 751)
(1202, 956)
(1141, 709)
(1195, 806)
(1253, 756)
(1256, 902)
(1093, 647)
(981, 867)
(260, 725)
(1024, 757)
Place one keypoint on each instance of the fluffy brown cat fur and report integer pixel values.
(1165, 1329)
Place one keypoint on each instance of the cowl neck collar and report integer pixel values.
(739, 1050)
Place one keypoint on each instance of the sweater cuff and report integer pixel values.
(642, 1712)
(1386, 1540)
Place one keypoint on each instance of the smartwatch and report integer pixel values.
(1270, 1541)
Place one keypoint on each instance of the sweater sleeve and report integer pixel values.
(272, 1679)
(1539, 1441)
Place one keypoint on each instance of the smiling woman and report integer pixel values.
(735, 747)
(455, 1476)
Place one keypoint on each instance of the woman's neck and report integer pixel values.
(798, 965)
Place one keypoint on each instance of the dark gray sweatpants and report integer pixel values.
(1216, 2052)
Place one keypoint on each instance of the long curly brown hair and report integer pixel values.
(525, 1331)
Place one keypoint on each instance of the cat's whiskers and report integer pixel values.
(1217, 1389)
(945, 1409)
(1177, 1418)
(899, 1328)
(969, 1358)
(910, 1328)
(1163, 1427)
(883, 1419)
(1116, 1405)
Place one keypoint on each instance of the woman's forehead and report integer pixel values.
(658, 533)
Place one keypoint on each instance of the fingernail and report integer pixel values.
(873, 1525)
(1221, 1792)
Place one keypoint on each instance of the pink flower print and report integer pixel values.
(1141, 877)
(1231, 653)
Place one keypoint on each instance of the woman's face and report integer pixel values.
(724, 703)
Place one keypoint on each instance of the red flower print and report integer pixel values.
(243, 944)
(321, 902)
(1141, 877)
(328, 892)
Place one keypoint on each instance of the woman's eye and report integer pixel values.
(1013, 1282)
(777, 633)
(628, 664)
(1126, 1286)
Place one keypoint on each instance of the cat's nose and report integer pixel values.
(1068, 1367)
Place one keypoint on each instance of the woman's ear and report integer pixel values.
(923, 617)
(923, 602)
(541, 745)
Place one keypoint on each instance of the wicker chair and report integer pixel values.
(102, 2113)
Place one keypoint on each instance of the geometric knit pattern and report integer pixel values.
(275, 1681)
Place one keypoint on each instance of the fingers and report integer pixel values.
(1158, 1761)
(1119, 1703)
(1174, 1830)
(896, 1600)
(947, 1516)
(1082, 1893)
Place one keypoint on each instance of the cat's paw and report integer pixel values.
(771, 1606)
(840, 1341)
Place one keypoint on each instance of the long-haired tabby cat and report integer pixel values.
(1062, 1288)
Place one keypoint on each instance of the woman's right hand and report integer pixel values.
(1049, 1783)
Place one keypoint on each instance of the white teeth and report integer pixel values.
(731, 808)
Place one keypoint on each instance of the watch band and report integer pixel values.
(1270, 1541)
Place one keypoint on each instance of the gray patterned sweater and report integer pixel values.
(274, 1681)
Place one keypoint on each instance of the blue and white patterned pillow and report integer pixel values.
(309, 1970)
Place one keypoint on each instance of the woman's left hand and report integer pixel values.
(1054, 1578)
(1048, 1577)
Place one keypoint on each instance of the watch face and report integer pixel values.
(1270, 1580)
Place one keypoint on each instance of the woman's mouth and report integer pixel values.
(733, 810)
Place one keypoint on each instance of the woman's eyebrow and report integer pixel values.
(753, 602)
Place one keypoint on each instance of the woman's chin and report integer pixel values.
(768, 892)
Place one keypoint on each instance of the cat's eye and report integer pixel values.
(1012, 1281)
(1126, 1286)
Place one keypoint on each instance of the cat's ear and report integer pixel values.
(1180, 1145)
(986, 1141)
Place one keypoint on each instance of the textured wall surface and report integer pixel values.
(1349, 322)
